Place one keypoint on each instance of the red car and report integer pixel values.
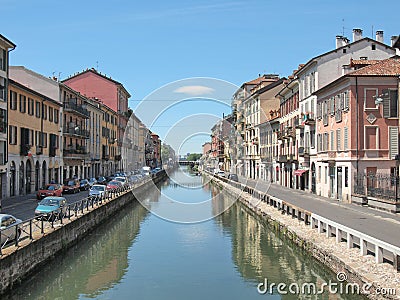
(52, 189)
(71, 186)
(113, 184)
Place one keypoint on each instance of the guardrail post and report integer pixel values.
(363, 247)
(320, 227)
(16, 236)
(328, 230)
(313, 223)
(69, 212)
(42, 225)
(396, 262)
(30, 229)
(349, 240)
(338, 235)
(378, 254)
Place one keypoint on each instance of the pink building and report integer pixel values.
(110, 92)
(358, 131)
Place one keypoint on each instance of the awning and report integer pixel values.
(299, 172)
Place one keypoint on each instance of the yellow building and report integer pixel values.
(33, 139)
(109, 156)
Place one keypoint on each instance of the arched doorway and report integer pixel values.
(12, 179)
(44, 170)
(21, 178)
(28, 176)
(37, 172)
(313, 179)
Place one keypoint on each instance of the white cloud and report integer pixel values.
(194, 90)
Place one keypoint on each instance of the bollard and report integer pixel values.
(16, 235)
(30, 229)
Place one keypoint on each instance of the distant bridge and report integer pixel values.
(188, 162)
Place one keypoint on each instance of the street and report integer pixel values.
(23, 207)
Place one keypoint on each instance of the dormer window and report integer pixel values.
(373, 47)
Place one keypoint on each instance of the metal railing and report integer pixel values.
(34, 228)
(382, 186)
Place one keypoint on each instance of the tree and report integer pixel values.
(193, 156)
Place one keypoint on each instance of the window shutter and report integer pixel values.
(338, 140)
(332, 140)
(393, 142)
(332, 109)
(386, 103)
(345, 138)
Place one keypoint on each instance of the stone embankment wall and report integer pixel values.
(360, 270)
(17, 265)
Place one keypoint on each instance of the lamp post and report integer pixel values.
(396, 188)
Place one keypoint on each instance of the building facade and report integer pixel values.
(34, 140)
(5, 47)
(111, 93)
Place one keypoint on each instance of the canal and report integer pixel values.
(139, 255)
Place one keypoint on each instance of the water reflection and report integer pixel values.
(95, 264)
(259, 253)
(138, 255)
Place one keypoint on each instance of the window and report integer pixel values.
(338, 140)
(31, 107)
(38, 109)
(345, 138)
(44, 112)
(22, 103)
(13, 100)
(393, 142)
(326, 175)
(332, 140)
(373, 47)
(346, 176)
(51, 114)
(344, 50)
(339, 108)
(12, 135)
(56, 112)
(332, 106)
(346, 100)
(369, 98)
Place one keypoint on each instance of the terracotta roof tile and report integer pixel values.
(386, 67)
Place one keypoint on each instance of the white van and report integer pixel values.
(146, 171)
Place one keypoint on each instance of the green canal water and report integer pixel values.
(138, 255)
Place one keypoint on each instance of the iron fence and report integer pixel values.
(34, 228)
(382, 186)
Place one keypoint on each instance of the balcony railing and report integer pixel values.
(309, 118)
(282, 158)
(76, 131)
(304, 151)
(72, 107)
(75, 152)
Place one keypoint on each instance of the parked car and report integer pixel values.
(221, 173)
(7, 228)
(101, 180)
(71, 186)
(113, 184)
(92, 181)
(121, 179)
(84, 185)
(233, 177)
(52, 189)
(51, 205)
(97, 190)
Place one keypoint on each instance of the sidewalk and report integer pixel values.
(382, 225)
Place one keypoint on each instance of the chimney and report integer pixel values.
(357, 34)
(393, 40)
(379, 36)
(341, 41)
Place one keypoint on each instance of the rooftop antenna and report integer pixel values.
(97, 65)
(342, 27)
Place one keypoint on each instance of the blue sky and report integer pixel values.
(148, 44)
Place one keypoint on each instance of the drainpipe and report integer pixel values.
(357, 121)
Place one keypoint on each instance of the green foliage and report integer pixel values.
(193, 156)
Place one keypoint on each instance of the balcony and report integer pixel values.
(282, 158)
(71, 106)
(76, 131)
(298, 123)
(304, 151)
(24, 149)
(308, 118)
(75, 152)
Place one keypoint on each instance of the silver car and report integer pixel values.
(97, 190)
(8, 230)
